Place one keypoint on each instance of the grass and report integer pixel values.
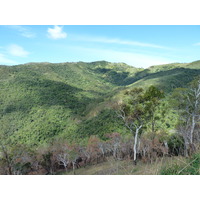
(189, 166)
(126, 167)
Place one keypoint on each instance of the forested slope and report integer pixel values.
(41, 101)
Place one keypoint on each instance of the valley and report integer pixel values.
(43, 103)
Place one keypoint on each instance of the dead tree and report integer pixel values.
(7, 159)
(63, 160)
(189, 110)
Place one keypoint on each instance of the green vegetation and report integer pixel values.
(41, 103)
(190, 166)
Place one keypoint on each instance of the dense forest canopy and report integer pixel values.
(44, 104)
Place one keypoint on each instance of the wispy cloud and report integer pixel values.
(118, 41)
(134, 59)
(56, 33)
(4, 60)
(197, 44)
(24, 31)
(16, 50)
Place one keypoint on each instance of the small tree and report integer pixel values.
(15, 160)
(93, 148)
(152, 97)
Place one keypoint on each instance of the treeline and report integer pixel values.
(60, 155)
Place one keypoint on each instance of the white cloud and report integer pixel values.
(118, 41)
(134, 59)
(197, 44)
(24, 31)
(17, 50)
(56, 33)
(4, 60)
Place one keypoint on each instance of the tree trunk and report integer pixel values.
(153, 125)
(135, 146)
(73, 165)
(192, 129)
(186, 149)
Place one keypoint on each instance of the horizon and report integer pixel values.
(138, 46)
(43, 62)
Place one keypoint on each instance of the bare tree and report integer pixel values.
(7, 160)
(62, 159)
(15, 160)
(188, 105)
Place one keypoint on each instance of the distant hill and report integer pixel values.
(41, 101)
(168, 76)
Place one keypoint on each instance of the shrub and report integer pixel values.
(176, 145)
(192, 167)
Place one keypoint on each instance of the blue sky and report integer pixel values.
(139, 46)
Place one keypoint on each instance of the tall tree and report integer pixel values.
(132, 113)
(138, 109)
(187, 102)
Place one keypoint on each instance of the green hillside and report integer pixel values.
(41, 101)
(169, 76)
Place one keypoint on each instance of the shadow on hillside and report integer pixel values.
(36, 91)
(43, 92)
(105, 122)
(174, 78)
(168, 79)
(111, 76)
(137, 76)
